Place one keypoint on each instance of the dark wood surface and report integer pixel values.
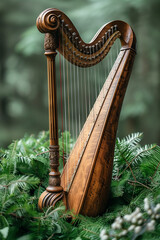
(86, 188)
(54, 191)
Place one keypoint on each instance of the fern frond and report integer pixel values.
(7, 204)
(151, 161)
(124, 148)
(90, 227)
(129, 153)
(22, 182)
(25, 163)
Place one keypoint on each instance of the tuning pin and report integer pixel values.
(93, 48)
(96, 47)
(115, 28)
(76, 38)
(112, 30)
(106, 35)
(109, 32)
(61, 23)
(73, 37)
(103, 40)
(83, 48)
(69, 33)
(65, 29)
(99, 44)
(90, 50)
(76, 42)
(86, 48)
(79, 43)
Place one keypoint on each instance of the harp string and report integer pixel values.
(65, 74)
(111, 32)
(95, 78)
(62, 97)
(98, 71)
(78, 101)
(74, 99)
(92, 84)
(75, 83)
(87, 138)
(68, 119)
(61, 94)
(85, 90)
(101, 75)
(71, 84)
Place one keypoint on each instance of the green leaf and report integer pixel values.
(25, 237)
(4, 232)
(117, 187)
(3, 222)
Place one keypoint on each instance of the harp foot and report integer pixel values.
(48, 199)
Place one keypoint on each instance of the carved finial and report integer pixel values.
(50, 42)
(47, 21)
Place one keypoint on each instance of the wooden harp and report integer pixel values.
(84, 184)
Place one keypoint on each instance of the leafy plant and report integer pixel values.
(24, 169)
(135, 224)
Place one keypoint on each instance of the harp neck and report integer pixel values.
(75, 49)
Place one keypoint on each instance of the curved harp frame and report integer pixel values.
(87, 187)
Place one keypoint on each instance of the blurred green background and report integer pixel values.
(23, 81)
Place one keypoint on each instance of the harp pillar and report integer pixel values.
(54, 192)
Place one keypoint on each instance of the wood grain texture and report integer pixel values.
(54, 191)
(87, 174)
(89, 190)
(75, 49)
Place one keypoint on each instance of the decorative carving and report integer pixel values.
(48, 199)
(54, 175)
(50, 42)
(54, 156)
(54, 192)
(54, 181)
(47, 21)
(76, 50)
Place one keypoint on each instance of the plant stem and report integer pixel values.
(140, 184)
(134, 159)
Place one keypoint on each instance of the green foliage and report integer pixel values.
(65, 145)
(138, 165)
(24, 177)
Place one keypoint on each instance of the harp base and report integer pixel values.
(48, 199)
